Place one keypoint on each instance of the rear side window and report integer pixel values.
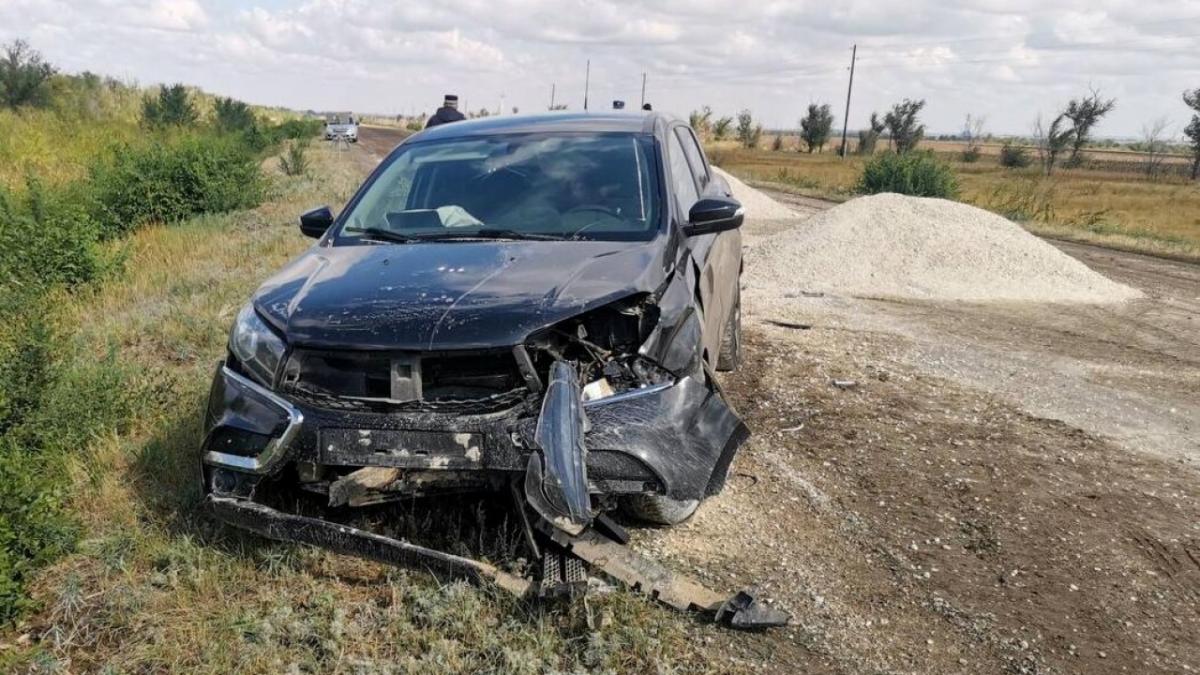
(695, 157)
(682, 179)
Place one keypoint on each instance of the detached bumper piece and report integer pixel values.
(274, 524)
(563, 563)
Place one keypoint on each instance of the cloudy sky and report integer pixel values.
(1004, 59)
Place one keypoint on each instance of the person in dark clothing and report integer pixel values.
(447, 113)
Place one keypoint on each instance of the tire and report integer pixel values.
(731, 340)
(658, 509)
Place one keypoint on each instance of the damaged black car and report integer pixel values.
(529, 305)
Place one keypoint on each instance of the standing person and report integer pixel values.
(447, 113)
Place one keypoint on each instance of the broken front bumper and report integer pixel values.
(675, 440)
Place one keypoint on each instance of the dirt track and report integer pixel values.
(1000, 489)
(1004, 488)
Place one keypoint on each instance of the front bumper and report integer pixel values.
(674, 440)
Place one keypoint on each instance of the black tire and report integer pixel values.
(731, 340)
(658, 509)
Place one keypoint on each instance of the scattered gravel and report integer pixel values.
(895, 246)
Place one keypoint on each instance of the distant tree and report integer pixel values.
(904, 128)
(1053, 141)
(1014, 156)
(24, 76)
(172, 107)
(867, 138)
(1192, 130)
(1084, 113)
(701, 121)
(816, 126)
(1154, 145)
(748, 133)
(973, 135)
(720, 128)
(232, 115)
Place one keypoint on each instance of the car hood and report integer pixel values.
(449, 295)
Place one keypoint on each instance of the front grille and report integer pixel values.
(477, 381)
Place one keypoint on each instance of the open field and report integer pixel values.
(1114, 208)
(1006, 488)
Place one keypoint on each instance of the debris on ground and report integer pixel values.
(893, 246)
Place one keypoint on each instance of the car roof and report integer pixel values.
(645, 122)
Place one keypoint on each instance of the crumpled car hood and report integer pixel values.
(449, 295)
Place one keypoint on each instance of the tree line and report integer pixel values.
(1058, 142)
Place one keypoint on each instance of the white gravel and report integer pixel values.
(758, 205)
(892, 246)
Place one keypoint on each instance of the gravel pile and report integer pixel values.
(758, 205)
(906, 247)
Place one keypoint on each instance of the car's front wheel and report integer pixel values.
(731, 340)
(658, 509)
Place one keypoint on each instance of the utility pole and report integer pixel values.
(553, 86)
(643, 89)
(849, 89)
(587, 81)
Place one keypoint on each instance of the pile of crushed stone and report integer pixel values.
(895, 246)
(758, 205)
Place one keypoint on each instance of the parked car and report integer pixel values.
(537, 302)
(335, 128)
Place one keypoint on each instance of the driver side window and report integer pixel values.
(682, 181)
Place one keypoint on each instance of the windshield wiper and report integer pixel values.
(384, 234)
(488, 233)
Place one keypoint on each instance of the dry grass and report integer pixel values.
(155, 587)
(1113, 208)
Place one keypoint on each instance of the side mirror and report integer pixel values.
(709, 216)
(314, 223)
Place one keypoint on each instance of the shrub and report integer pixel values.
(972, 154)
(1014, 156)
(47, 237)
(231, 115)
(170, 181)
(24, 76)
(294, 160)
(915, 173)
(35, 527)
(172, 107)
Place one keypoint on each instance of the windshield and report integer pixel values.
(535, 186)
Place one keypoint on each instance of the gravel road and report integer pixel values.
(1002, 488)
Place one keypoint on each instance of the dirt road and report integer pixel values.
(985, 489)
(1002, 488)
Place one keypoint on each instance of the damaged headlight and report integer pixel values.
(255, 346)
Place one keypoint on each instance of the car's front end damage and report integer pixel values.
(611, 402)
(509, 308)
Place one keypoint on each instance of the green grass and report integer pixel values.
(154, 586)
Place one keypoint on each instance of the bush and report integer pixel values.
(172, 107)
(35, 527)
(47, 238)
(171, 181)
(919, 174)
(294, 161)
(972, 154)
(1014, 156)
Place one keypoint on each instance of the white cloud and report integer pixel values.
(1005, 58)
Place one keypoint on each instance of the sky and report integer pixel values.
(1004, 60)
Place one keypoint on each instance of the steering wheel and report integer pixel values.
(592, 208)
(595, 208)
